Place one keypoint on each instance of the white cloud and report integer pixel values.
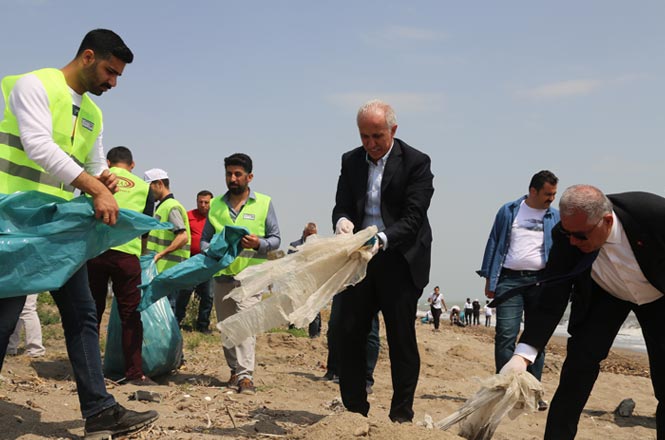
(401, 102)
(563, 89)
(404, 34)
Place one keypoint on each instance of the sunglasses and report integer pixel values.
(579, 235)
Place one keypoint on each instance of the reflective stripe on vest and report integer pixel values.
(252, 216)
(158, 240)
(132, 194)
(17, 171)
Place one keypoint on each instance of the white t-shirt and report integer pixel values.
(435, 300)
(28, 101)
(526, 250)
(488, 311)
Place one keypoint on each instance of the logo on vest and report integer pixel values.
(248, 216)
(124, 183)
(87, 124)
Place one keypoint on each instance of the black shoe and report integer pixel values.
(204, 330)
(328, 376)
(117, 420)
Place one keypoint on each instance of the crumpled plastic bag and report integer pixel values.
(161, 352)
(298, 285)
(45, 239)
(508, 394)
(224, 248)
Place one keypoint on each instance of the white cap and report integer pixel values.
(155, 174)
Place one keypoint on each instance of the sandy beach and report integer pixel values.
(38, 398)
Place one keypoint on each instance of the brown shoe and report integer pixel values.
(233, 380)
(246, 386)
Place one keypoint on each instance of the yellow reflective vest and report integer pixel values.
(160, 239)
(20, 173)
(132, 194)
(252, 216)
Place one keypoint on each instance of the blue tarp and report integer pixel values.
(44, 239)
(224, 248)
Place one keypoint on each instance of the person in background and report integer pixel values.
(197, 220)
(476, 312)
(488, 314)
(122, 266)
(170, 246)
(468, 312)
(314, 328)
(455, 315)
(436, 302)
(51, 142)
(28, 320)
(241, 206)
(516, 253)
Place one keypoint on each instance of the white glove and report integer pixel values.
(516, 364)
(344, 226)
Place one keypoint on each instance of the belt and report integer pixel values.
(519, 273)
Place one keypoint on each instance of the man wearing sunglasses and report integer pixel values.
(515, 255)
(609, 251)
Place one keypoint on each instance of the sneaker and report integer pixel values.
(143, 381)
(542, 405)
(335, 378)
(233, 380)
(246, 386)
(368, 389)
(117, 420)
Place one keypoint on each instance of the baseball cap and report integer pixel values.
(155, 174)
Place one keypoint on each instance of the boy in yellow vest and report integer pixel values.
(51, 142)
(240, 206)
(121, 264)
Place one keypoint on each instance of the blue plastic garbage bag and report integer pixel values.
(162, 340)
(224, 248)
(44, 239)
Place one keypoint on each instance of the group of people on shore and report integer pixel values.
(607, 250)
(469, 316)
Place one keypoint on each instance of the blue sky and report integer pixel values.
(492, 91)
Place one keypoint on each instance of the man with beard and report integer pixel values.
(241, 206)
(51, 142)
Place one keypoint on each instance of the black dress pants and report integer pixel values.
(590, 341)
(387, 287)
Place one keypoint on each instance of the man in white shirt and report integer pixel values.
(609, 251)
(515, 254)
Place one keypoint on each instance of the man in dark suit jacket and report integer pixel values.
(388, 184)
(610, 253)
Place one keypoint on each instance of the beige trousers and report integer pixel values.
(33, 330)
(241, 358)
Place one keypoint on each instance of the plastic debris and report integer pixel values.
(297, 286)
(510, 394)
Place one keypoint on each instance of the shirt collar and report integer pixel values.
(383, 160)
(616, 232)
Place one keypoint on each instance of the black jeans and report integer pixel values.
(589, 343)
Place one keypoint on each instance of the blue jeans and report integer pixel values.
(509, 318)
(205, 294)
(79, 321)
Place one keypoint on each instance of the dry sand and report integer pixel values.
(38, 398)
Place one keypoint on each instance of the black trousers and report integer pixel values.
(387, 287)
(436, 314)
(589, 343)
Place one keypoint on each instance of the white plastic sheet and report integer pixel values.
(501, 395)
(299, 285)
